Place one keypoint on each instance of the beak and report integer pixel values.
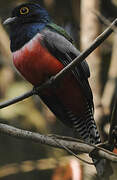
(10, 20)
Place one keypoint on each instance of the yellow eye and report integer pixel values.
(24, 10)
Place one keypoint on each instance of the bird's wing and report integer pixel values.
(60, 30)
(65, 52)
(75, 51)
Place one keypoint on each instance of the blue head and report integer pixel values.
(27, 20)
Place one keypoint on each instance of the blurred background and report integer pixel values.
(27, 160)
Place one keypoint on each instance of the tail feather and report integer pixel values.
(94, 139)
(85, 126)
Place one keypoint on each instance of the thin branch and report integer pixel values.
(72, 153)
(16, 99)
(67, 69)
(25, 95)
(48, 140)
(105, 20)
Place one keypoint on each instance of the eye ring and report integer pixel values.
(24, 10)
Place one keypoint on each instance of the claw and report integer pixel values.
(93, 153)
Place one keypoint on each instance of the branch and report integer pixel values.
(16, 99)
(71, 143)
(105, 20)
(67, 69)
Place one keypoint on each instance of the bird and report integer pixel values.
(40, 49)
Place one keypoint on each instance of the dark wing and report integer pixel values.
(65, 52)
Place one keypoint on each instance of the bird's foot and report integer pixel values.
(93, 153)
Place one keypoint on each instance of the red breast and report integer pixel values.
(36, 64)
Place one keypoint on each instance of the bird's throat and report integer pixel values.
(23, 33)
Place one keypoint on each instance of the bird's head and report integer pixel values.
(26, 21)
(28, 13)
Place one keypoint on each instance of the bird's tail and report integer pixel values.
(85, 127)
(93, 138)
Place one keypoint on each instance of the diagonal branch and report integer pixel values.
(104, 20)
(67, 69)
(16, 99)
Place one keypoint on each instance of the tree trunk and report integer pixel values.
(76, 10)
(111, 83)
(90, 29)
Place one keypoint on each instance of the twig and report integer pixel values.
(105, 20)
(71, 152)
(68, 68)
(25, 95)
(16, 99)
(47, 140)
